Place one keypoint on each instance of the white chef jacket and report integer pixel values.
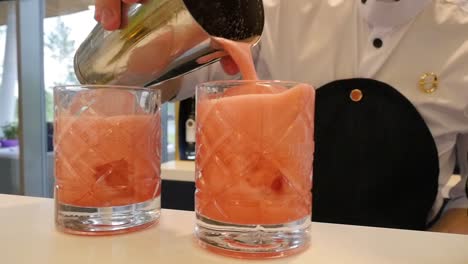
(396, 42)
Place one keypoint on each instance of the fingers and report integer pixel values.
(97, 15)
(229, 66)
(108, 13)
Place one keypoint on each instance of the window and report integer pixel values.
(9, 151)
(62, 36)
(2, 46)
(8, 68)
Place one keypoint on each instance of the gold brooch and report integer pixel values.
(356, 95)
(429, 82)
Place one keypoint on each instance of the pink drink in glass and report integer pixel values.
(107, 159)
(255, 144)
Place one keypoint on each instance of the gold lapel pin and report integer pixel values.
(429, 82)
(356, 95)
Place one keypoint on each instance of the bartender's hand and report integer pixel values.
(453, 221)
(108, 12)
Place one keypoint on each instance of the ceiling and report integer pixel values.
(53, 7)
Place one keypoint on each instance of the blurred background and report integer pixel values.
(38, 39)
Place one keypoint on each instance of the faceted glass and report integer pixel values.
(255, 144)
(107, 158)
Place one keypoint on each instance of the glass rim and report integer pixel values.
(228, 82)
(111, 86)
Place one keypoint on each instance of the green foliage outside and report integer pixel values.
(10, 131)
(62, 48)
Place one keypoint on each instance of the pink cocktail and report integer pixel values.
(107, 159)
(255, 145)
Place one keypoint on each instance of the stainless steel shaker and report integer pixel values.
(162, 40)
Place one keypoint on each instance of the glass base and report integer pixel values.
(107, 220)
(253, 241)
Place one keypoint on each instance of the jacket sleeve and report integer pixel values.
(459, 193)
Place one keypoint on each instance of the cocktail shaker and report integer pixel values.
(162, 40)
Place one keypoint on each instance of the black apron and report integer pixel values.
(376, 162)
